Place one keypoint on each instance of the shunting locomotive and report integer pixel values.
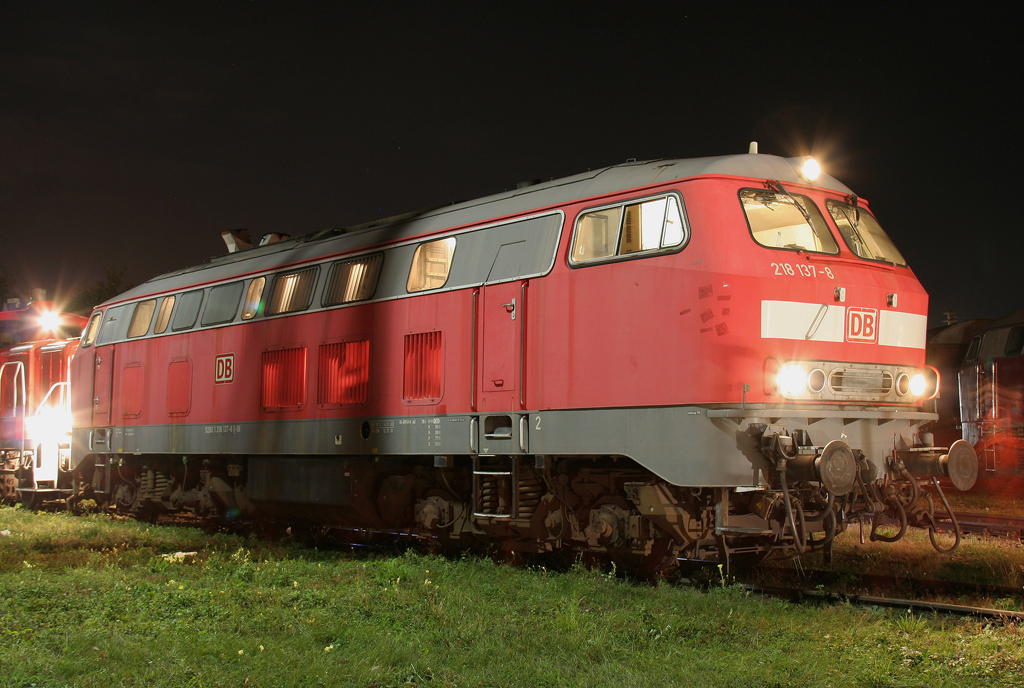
(37, 342)
(992, 403)
(712, 358)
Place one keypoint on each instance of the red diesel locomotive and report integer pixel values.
(37, 343)
(992, 403)
(675, 357)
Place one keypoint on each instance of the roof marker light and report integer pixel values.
(810, 170)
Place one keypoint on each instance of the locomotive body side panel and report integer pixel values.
(585, 341)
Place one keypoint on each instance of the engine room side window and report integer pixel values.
(188, 310)
(223, 304)
(789, 221)
(252, 298)
(649, 225)
(352, 280)
(863, 234)
(430, 265)
(293, 291)
(141, 318)
(163, 318)
(92, 329)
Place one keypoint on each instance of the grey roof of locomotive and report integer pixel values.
(556, 192)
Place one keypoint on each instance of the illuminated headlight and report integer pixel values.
(792, 380)
(918, 384)
(50, 425)
(810, 170)
(49, 320)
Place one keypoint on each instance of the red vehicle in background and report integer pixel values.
(992, 403)
(37, 342)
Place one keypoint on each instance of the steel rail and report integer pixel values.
(889, 602)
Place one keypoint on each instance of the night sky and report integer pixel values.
(131, 135)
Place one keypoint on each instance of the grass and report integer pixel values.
(92, 602)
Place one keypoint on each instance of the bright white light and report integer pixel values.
(917, 385)
(49, 425)
(49, 320)
(792, 380)
(810, 170)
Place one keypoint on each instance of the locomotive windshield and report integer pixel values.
(789, 221)
(863, 234)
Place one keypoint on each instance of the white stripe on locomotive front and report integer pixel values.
(806, 322)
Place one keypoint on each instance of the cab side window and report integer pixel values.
(644, 226)
(973, 350)
(92, 329)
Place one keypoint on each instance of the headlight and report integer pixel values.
(50, 321)
(49, 425)
(918, 385)
(792, 380)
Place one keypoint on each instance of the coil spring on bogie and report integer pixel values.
(530, 492)
(489, 496)
(153, 483)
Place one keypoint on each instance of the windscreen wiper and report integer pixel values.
(852, 199)
(776, 185)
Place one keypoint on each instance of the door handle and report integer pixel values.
(510, 308)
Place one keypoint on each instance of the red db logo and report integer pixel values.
(862, 325)
(225, 369)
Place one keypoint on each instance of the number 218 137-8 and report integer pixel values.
(785, 269)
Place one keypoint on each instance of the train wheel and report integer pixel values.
(124, 497)
(31, 500)
(662, 561)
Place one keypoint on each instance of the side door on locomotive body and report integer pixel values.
(92, 375)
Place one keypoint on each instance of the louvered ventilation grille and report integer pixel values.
(423, 366)
(344, 373)
(284, 378)
(847, 381)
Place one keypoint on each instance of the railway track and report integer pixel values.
(993, 525)
(920, 606)
(821, 586)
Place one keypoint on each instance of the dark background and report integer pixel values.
(131, 135)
